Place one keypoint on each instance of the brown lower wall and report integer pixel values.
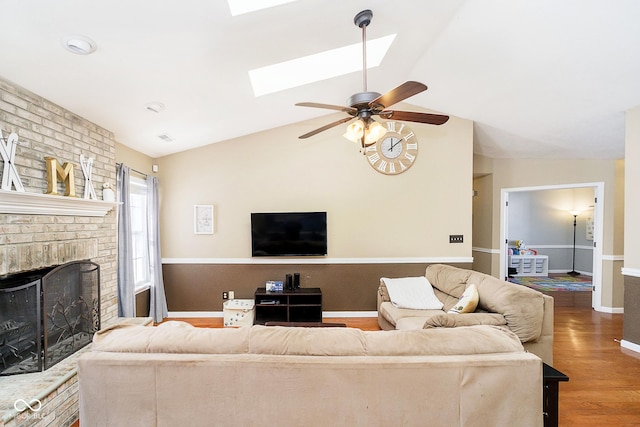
(345, 287)
(631, 322)
(143, 303)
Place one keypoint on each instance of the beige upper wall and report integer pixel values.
(369, 214)
(134, 159)
(483, 212)
(515, 173)
(632, 198)
(275, 171)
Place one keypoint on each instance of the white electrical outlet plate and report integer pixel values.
(232, 295)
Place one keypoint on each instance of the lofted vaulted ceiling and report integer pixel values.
(547, 78)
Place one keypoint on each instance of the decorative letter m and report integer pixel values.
(64, 172)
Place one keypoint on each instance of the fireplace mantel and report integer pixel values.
(17, 202)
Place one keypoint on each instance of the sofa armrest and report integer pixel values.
(383, 294)
(543, 346)
(547, 320)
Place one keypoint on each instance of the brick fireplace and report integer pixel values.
(39, 231)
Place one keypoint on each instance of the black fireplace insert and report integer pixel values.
(46, 315)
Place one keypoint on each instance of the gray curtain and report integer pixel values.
(126, 285)
(158, 303)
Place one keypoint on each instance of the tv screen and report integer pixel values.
(289, 234)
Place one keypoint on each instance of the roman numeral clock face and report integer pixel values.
(395, 152)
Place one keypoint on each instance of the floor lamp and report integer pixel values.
(573, 271)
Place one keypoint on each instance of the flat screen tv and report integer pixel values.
(289, 234)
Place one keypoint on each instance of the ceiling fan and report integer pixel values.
(364, 105)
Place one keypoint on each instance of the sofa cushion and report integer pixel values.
(171, 337)
(453, 320)
(468, 301)
(522, 307)
(449, 280)
(408, 323)
(306, 341)
(479, 339)
(412, 292)
(393, 314)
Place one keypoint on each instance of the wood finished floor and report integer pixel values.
(604, 385)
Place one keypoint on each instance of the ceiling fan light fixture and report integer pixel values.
(355, 131)
(374, 132)
(364, 105)
(367, 129)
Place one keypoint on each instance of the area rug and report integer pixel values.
(559, 283)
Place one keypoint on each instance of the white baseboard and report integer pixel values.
(330, 314)
(630, 346)
(610, 310)
(195, 314)
(564, 271)
(325, 314)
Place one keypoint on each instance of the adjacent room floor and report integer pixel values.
(567, 291)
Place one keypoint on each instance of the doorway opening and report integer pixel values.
(569, 197)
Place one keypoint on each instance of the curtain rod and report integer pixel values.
(133, 170)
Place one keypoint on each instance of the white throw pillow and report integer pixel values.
(412, 292)
(467, 302)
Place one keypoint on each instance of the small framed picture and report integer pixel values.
(203, 219)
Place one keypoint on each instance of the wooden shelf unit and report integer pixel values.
(301, 305)
(529, 265)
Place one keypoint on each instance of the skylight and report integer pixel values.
(319, 66)
(238, 7)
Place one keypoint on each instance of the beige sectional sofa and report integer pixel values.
(175, 374)
(524, 311)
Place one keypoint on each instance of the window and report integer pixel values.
(139, 232)
(319, 66)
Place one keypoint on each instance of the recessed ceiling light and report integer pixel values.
(80, 45)
(320, 66)
(156, 107)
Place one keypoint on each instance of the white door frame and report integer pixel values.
(598, 231)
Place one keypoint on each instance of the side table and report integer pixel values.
(550, 379)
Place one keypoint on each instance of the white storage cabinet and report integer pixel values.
(530, 265)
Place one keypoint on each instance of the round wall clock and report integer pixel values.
(395, 152)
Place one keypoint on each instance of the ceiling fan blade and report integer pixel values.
(349, 110)
(325, 127)
(409, 116)
(402, 92)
